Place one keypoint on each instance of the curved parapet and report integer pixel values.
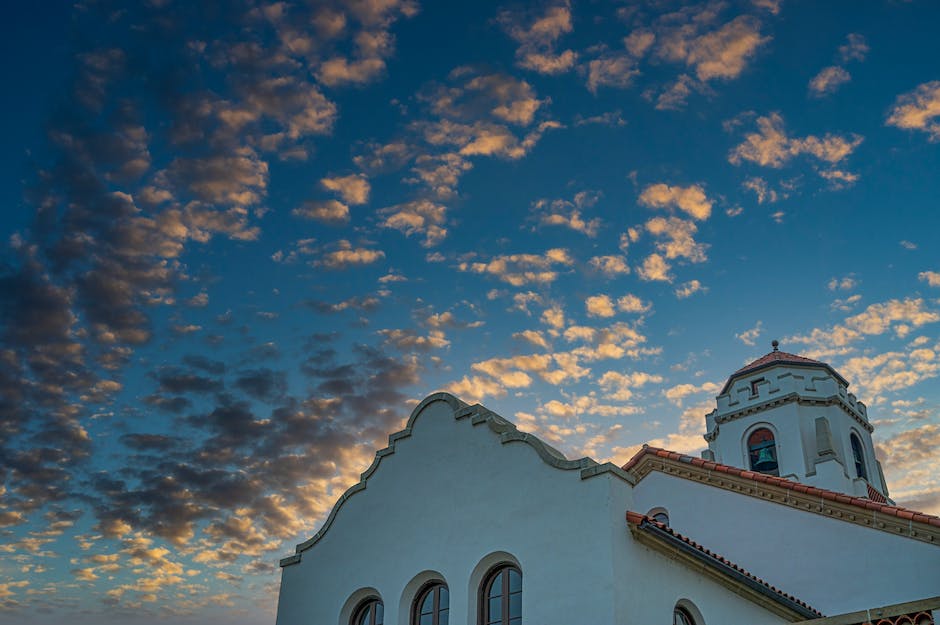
(478, 415)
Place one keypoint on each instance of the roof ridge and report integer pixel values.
(640, 520)
(860, 502)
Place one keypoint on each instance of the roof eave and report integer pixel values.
(776, 363)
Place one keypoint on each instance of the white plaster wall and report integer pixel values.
(833, 565)
(659, 583)
(450, 495)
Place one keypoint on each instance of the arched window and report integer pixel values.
(659, 514)
(432, 607)
(762, 451)
(501, 597)
(370, 612)
(858, 456)
(681, 616)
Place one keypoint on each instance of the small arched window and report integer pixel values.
(432, 607)
(370, 612)
(681, 616)
(762, 451)
(859, 456)
(501, 597)
(659, 514)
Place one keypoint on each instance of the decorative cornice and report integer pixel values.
(865, 515)
(832, 400)
(478, 415)
(888, 612)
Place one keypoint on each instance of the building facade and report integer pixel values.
(465, 519)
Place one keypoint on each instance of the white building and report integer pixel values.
(463, 519)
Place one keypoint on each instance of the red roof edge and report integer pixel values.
(641, 521)
(861, 502)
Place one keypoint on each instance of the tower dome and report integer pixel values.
(788, 415)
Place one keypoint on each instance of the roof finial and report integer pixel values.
(775, 344)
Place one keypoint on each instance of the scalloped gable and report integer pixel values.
(478, 415)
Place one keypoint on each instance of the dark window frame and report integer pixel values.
(370, 603)
(434, 586)
(484, 602)
(858, 455)
(756, 447)
(686, 617)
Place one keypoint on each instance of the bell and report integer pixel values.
(765, 460)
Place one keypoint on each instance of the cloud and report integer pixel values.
(611, 70)
(932, 278)
(610, 118)
(828, 80)
(719, 54)
(407, 340)
(762, 190)
(890, 372)
(417, 217)
(674, 97)
(532, 336)
(474, 389)
(749, 337)
(639, 42)
(610, 265)
(522, 269)
(918, 110)
(691, 199)
(474, 95)
(568, 213)
(343, 255)
(846, 283)
(677, 238)
(677, 394)
(690, 288)
(326, 211)
(554, 317)
(899, 316)
(771, 147)
(619, 386)
(600, 306)
(354, 189)
(854, 49)
(514, 372)
(654, 268)
(537, 38)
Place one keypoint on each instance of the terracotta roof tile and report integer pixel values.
(782, 358)
(637, 519)
(778, 356)
(868, 504)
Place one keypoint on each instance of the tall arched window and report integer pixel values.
(858, 456)
(762, 451)
(370, 612)
(681, 616)
(432, 607)
(501, 597)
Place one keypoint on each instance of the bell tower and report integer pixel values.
(792, 416)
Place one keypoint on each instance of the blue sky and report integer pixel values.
(240, 242)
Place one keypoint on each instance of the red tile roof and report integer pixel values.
(861, 502)
(777, 357)
(639, 520)
(914, 618)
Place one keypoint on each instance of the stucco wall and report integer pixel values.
(833, 565)
(449, 497)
